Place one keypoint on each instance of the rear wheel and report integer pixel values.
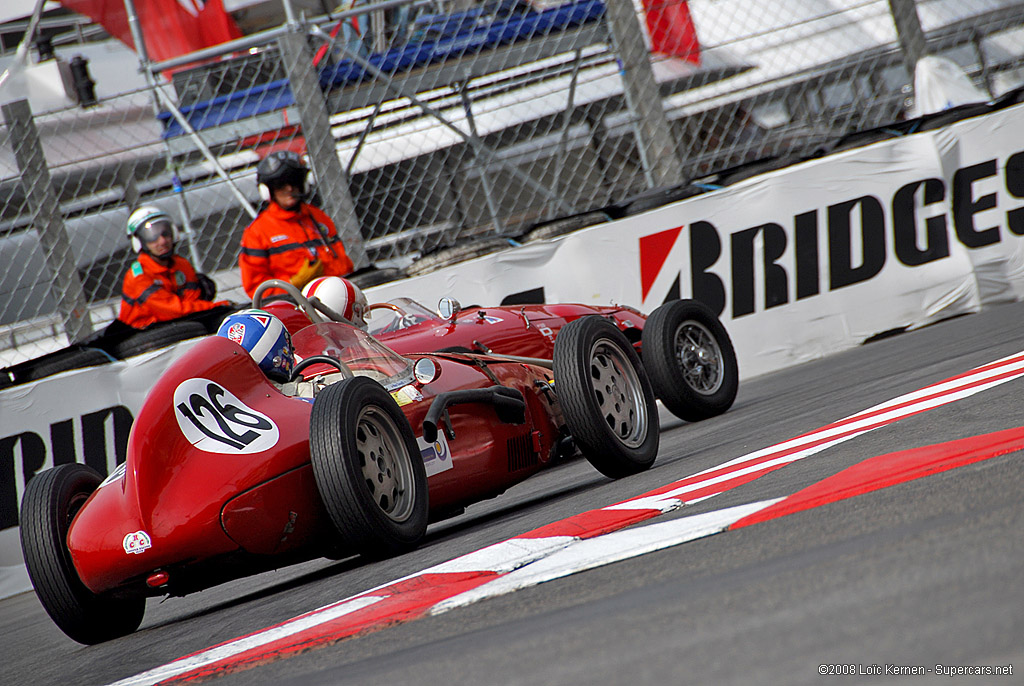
(690, 360)
(605, 396)
(52, 498)
(368, 468)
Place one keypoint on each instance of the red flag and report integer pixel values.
(169, 27)
(671, 29)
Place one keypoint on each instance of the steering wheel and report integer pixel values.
(385, 306)
(321, 359)
(402, 321)
(296, 295)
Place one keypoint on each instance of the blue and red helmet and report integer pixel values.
(266, 339)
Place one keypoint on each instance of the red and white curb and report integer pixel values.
(563, 548)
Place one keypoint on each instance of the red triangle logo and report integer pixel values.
(654, 251)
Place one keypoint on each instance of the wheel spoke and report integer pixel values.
(700, 359)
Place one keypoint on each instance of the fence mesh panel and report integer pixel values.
(453, 126)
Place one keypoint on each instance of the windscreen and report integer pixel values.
(356, 348)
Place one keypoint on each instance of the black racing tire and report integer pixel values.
(375, 277)
(650, 200)
(378, 507)
(158, 336)
(560, 227)
(455, 254)
(63, 361)
(605, 396)
(690, 360)
(51, 500)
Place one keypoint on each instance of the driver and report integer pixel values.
(340, 295)
(265, 338)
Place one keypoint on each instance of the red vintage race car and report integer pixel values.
(228, 473)
(685, 349)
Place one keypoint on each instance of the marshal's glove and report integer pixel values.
(307, 273)
(207, 288)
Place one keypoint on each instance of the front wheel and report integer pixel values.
(690, 360)
(368, 468)
(52, 498)
(606, 397)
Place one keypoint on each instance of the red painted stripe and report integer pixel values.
(592, 523)
(407, 600)
(891, 469)
(411, 598)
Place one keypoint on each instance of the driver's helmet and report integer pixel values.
(340, 295)
(266, 339)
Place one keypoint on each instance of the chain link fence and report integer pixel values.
(440, 130)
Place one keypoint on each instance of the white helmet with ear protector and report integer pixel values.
(280, 167)
(148, 223)
(341, 295)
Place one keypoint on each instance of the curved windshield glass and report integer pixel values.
(356, 348)
(398, 314)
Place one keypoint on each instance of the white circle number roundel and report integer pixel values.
(215, 421)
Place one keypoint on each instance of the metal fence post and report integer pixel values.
(53, 237)
(909, 32)
(659, 153)
(316, 127)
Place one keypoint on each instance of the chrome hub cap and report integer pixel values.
(385, 466)
(619, 393)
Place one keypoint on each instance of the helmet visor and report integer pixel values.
(153, 230)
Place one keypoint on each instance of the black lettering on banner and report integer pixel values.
(904, 224)
(62, 442)
(674, 291)
(776, 281)
(807, 269)
(705, 249)
(965, 206)
(198, 406)
(94, 436)
(842, 271)
(33, 451)
(1015, 186)
(33, 456)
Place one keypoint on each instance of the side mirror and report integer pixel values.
(448, 308)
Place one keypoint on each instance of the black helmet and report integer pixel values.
(279, 167)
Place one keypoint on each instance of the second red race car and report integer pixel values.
(684, 347)
(240, 461)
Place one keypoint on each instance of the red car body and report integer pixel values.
(684, 347)
(195, 506)
(523, 330)
(228, 473)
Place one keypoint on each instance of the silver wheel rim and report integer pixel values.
(700, 359)
(619, 395)
(386, 468)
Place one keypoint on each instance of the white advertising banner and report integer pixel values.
(82, 415)
(800, 263)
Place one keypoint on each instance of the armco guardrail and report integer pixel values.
(802, 262)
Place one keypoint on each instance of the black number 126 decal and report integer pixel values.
(238, 428)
